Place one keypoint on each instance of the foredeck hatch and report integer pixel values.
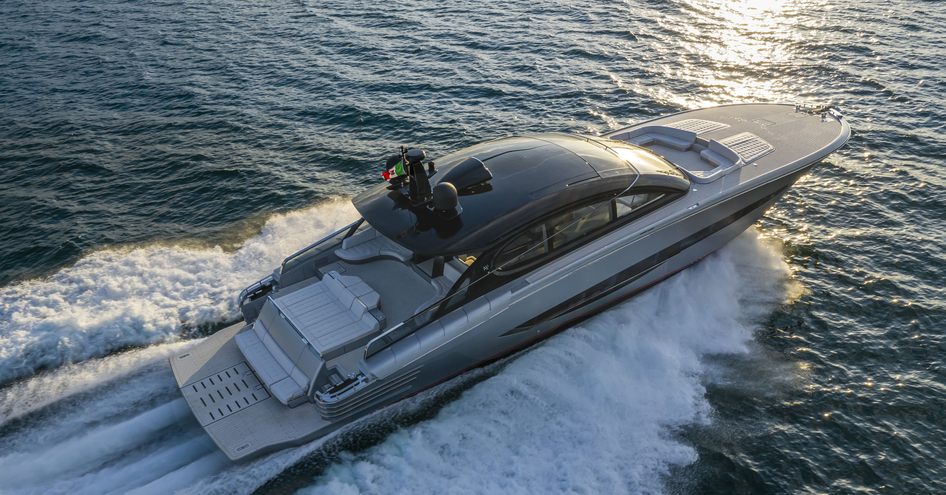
(748, 146)
(698, 126)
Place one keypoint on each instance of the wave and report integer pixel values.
(66, 383)
(122, 423)
(125, 429)
(117, 298)
(594, 409)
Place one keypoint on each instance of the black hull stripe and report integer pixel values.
(639, 269)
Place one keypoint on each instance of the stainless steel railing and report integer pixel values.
(255, 287)
(269, 280)
(314, 245)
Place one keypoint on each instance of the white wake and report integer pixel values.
(592, 410)
(117, 298)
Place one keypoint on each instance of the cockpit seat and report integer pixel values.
(670, 137)
(295, 333)
(336, 315)
(442, 284)
(369, 244)
(270, 364)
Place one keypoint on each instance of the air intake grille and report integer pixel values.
(698, 126)
(748, 146)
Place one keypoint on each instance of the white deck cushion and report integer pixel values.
(334, 314)
(288, 386)
(329, 317)
(260, 359)
(746, 146)
(698, 126)
(288, 392)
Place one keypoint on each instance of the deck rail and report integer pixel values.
(270, 280)
(255, 287)
(296, 255)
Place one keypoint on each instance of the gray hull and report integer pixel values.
(610, 280)
(237, 403)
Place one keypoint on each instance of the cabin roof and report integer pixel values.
(533, 176)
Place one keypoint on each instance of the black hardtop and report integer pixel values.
(532, 177)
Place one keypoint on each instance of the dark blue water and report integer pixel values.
(157, 157)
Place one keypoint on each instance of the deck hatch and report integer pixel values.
(698, 126)
(224, 393)
(748, 146)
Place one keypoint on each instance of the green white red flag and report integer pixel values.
(393, 172)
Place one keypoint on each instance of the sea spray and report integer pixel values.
(592, 410)
(91, 448)
(29, 395)
(117, 298)
(119, 425)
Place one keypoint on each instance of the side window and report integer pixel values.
(470, 285)
(568, 229)
(633, 202)
(524, 248)
(580, 222)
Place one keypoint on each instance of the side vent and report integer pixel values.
(355, 399)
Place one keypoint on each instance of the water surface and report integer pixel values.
(157, 157)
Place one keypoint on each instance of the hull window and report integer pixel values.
(524, 248)
(573, 225)
(625, 205)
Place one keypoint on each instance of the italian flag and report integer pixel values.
(395, 171)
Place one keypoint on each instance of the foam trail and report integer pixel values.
(245, 478)
(121, 479)
(27, 396)
(593, 409)
(90, 449)
(105, 391)
(116, 298)
(148, 431)
(205, 466)
(248, 477)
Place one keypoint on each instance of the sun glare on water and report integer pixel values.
(733, 51)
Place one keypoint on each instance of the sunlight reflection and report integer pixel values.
(733, 51)
(753, 32)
